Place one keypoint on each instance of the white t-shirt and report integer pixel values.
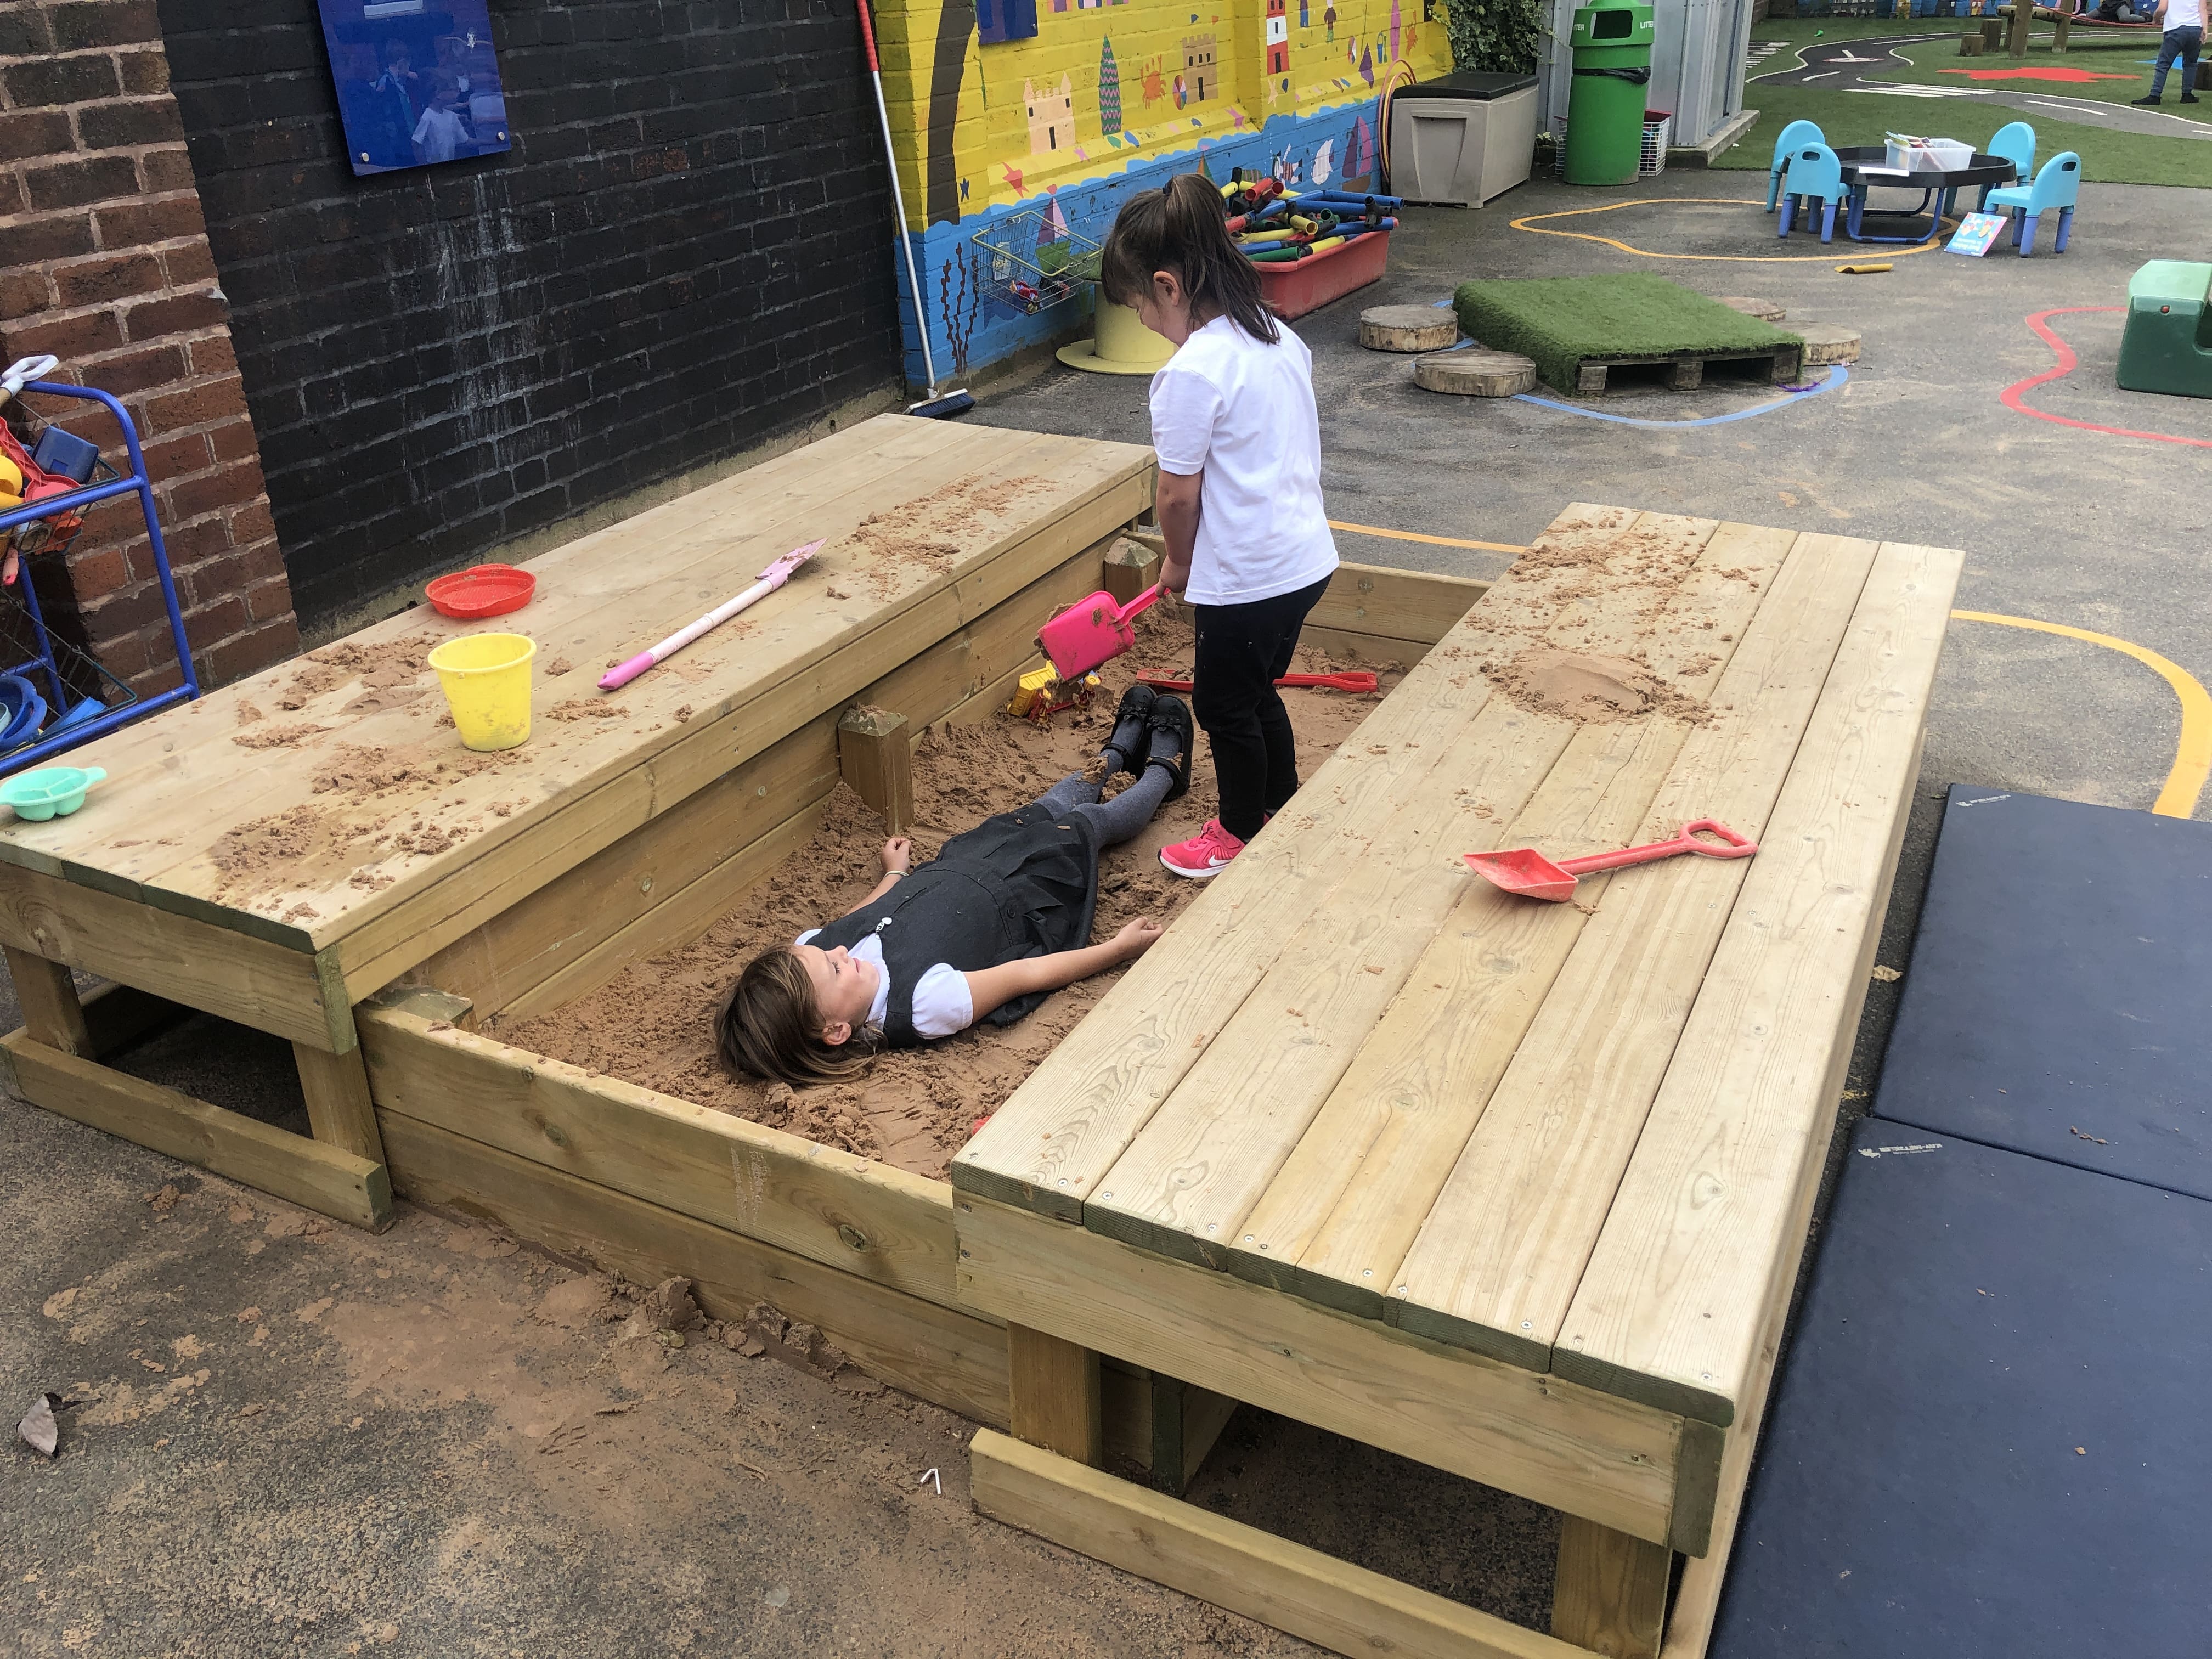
(941, 1003)
(1242, 412)
(2184, 15)
(440, 133)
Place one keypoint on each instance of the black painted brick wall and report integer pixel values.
(688, 251)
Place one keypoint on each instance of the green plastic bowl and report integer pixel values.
(50, 792)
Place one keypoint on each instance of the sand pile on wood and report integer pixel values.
(653, 1024)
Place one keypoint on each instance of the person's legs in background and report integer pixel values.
(2182, 43)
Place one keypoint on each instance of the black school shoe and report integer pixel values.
(1171, 713)
(2150, 102)
(1133, 726)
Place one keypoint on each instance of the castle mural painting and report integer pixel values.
(1061, 109)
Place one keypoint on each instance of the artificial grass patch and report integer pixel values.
(1558, 321)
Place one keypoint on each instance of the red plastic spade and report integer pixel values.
(1092, 631)
(1527, 871)
(1352, 680)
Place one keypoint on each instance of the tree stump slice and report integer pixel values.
(1827, 343)
(1408, 328)
(1765, 310)
(1476, 373)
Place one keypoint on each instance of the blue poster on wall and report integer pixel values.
(417, 80)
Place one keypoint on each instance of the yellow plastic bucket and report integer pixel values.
(486, 677)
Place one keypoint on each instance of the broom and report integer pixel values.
(935, 406)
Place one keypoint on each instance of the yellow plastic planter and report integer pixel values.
(1120, 345)
(486, 677)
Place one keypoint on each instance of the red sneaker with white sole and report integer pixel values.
(1205, 854)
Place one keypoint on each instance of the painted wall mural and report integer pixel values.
(1059, 110)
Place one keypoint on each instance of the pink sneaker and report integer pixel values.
(1205, 854)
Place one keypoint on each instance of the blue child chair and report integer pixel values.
(1796, 133)
(1815, 174)
(2015, 143)
(2056, 186)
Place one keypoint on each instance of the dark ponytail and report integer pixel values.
(1185, 229)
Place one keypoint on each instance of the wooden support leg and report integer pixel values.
(1187, 1420)
(338, 1106)
(1132, 566)
(1054, 1390)
(1611, 1592)
(47, 995)
(877, 762)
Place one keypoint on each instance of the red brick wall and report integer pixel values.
(104, 261)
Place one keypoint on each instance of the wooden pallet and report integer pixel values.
(1516, 1190)
(1686, 370)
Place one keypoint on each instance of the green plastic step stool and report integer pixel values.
(2167, 344)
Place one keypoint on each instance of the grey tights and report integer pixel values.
(1116, 820)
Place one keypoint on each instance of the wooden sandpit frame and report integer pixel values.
(651, 1185)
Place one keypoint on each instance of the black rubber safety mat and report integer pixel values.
(2059, 999)
(1989, 1441)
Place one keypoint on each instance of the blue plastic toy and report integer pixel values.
(48, 792)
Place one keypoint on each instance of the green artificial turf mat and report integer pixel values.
(1558, 321)
(1933, 66)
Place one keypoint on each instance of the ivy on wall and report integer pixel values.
(1499, 35)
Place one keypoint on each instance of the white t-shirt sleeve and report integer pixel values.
(941, 1003)
(942, 1006)
(1186, 409)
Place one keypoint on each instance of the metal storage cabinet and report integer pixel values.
(1461, 139)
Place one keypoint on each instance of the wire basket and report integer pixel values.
(1035, 262)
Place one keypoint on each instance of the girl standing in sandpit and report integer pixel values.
(1238, 438)
(1000, 919)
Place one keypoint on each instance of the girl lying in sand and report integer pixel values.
(996, 923)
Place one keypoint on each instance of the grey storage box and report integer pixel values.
(1460, 139)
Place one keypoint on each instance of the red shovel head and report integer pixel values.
(1524, 871)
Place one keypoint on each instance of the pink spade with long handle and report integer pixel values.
(1525, 870)
(770, 578)
(1091, 631)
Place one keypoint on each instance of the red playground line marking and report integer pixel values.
(2014, 397)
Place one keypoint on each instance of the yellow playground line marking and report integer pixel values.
(1833, 252)
(1436, 541)
(2192, 757)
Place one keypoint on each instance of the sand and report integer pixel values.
(653, 1024)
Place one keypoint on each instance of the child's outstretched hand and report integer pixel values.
(898, 855)
(1137, 937)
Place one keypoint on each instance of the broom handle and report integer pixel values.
(899, 197)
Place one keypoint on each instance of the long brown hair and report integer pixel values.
(1184, 229)
(771, 1026)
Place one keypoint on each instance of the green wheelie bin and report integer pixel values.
(1612, 46)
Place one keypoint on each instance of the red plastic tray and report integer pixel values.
(1292, 290)
(484, 590)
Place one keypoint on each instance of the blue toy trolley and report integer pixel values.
(56, 696)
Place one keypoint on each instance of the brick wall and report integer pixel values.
(686, 252)
(106, 265)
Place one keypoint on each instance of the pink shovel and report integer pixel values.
(767, 581)
(1529, 872)
(1092, 631)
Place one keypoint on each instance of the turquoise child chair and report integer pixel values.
(2015, 143)
(1796, 133)
(2057, 186)
(1815, 174)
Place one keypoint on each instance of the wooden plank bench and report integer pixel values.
(237, 875)
(1515, 1189)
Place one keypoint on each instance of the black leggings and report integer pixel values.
(1243, 650)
